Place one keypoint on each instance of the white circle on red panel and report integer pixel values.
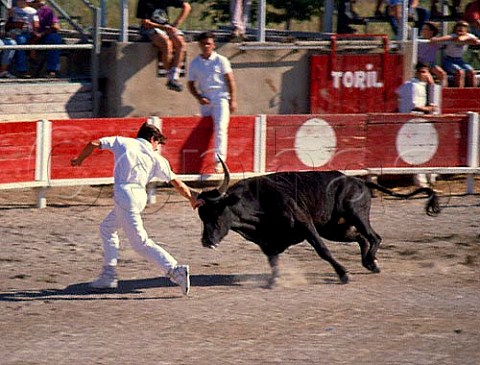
(315, 142)
(417, 141)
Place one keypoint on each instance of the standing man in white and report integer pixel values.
(137, 161)
(211, 82)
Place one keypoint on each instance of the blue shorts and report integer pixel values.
(454, 64)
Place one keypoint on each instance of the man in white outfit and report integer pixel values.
(211, 82)
(413, 98)
(137, 161)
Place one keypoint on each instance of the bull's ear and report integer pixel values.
(231, 199)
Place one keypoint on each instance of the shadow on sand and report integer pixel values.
(82, 291)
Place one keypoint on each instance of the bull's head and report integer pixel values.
(214, 213)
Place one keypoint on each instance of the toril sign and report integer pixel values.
(357, 79)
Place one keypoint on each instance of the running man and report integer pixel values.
(137, 161)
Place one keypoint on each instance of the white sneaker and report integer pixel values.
(106, 280)
(180, 275)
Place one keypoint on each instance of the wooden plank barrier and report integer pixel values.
(37, 154)
(17, 152)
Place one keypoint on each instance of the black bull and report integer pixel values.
(282, 209)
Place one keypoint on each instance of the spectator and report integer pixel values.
(137, 161)
(47, 33)
(211, 82)
(239, 15)
(165, 35)
(347, 16)
(427, 53)
(438, 13)
(414, 98)
(6, 56)
(472, 16)
(456, 45)
(394, 14)
(25, 21)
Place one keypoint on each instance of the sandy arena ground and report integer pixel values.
(422, 309)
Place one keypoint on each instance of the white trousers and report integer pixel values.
(219, 110)
(130, 200)
(239, 14)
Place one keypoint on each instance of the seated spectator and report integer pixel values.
(456, 45)
(24, 22)
(239, 17)
(165, 35)
(472, 16)
(6, 56)
(394, 14)
(414, 98)
(438, 13)
(347, 16)
(427, 53)
(47, 33)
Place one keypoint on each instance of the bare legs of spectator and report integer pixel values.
(440, 75)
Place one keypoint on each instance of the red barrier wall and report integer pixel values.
(190, 144)
(287, 142)
(17, 152)
(402, 140)
(321, 142)
(70, 136)
(456, 100)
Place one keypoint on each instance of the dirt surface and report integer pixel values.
(423, 308)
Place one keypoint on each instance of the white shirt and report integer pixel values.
(135, 161)
(412, 94)
(28, 15)
(208, 74)
(457, 50)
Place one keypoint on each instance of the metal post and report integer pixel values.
(97, 45)
(103, 7)
(403, 31)
(328, 16)
(124, 20)
(262, 11)
(414, 36)
(42, 155)
(472, 149)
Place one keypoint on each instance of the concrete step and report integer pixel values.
(45, 99)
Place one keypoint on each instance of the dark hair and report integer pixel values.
(147, 131)
(421, 65)
(205, 35)
(433, 27)
(460, 23)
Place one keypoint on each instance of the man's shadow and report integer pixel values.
(82, 291)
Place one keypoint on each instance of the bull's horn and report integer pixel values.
(226, 180)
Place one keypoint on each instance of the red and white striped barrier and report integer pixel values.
(37, 154)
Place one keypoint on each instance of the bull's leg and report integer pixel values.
(322, 251)
(273, 260)
(366, 233)
(368, 261)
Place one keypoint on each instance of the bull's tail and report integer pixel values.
(432, 207)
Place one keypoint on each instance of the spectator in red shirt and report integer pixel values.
(472, 16)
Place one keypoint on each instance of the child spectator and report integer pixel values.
(456, 45)
(427, 53)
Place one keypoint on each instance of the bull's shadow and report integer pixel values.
(82, 291)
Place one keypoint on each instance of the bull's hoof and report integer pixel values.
(344, 279)
(373, 267)
(212, 246)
